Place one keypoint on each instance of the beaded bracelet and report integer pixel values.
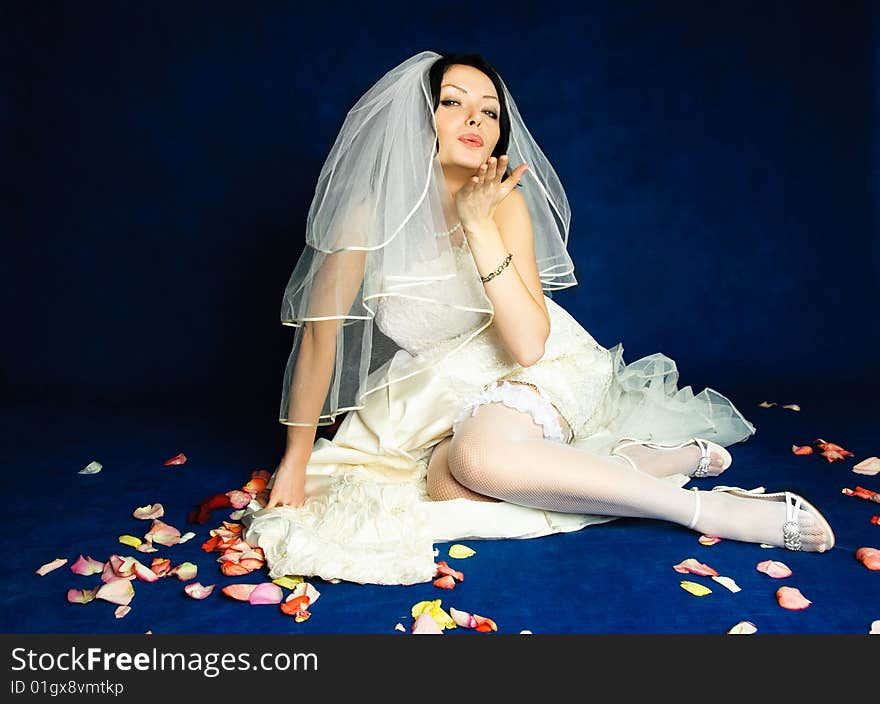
(501, 268)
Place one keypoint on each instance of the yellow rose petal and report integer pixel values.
(459, 551)
(289, 581)
(131, 540)
(694, 588)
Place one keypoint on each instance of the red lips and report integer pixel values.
(472, 139)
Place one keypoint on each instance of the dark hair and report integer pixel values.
(435, 76)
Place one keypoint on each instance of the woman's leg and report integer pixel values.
(501, 452)
(442, 486)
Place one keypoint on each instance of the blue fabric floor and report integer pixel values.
(611, 578)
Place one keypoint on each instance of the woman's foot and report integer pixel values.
(781, 519)
(660, 462)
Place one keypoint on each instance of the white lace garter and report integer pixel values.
(521, 397)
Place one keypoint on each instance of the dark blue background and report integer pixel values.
(158, 161)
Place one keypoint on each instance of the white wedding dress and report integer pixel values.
(367, 517)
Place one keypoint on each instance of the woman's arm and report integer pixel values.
(336, 285)
(521, 316)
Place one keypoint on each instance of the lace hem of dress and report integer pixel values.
(516, 395)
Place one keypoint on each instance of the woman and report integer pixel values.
(477, 406)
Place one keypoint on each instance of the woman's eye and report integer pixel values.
(491, 112)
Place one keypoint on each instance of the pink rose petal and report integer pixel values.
(792, 599)
(49, 566)
(119, 591)
(144, 573)
(238, 498)
(149, 512)
(121, 611)
(266, 593)
(197, 591)
(86, 566)
(693, 566)
(81, 596)
(426, 625)
(162, 533)
(777, 570)
(709, 540)
(869, 557)
(462, 618)
(241, 592)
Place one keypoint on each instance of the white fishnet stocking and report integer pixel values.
(500, 452)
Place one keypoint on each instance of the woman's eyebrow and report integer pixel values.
(464, 91)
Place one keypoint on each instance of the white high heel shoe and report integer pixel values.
(706, 446)
(791, 529)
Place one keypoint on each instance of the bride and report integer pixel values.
(476, 407)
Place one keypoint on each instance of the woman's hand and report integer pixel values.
(289, 486)
(477, 200)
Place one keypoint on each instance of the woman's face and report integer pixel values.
(469, 109)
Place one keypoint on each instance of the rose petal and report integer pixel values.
(792, 599)
(777, 570)
(266, 593)
(177, 459)
(118, 591)
(802, 449)
(870, 466)
(443, 619)
(144, 573)
(767, 404)
(443, 568)
(460, 552)
(241, 592)
(445, 582)
(709, 540)
(306, 589)
(163, 533)
(288, 581)
(86, 566)
(727, 583)
(694, 588)
(792, 407)
(81, 596)
(197, 590)
(484, 625)
(91, 468)
(296, 606)
(161, 566)
(120, 611)
(869, 557)
(184, 571)
(49, 566)
(149, 512)
(462, 618)
(694, 567)
(186, 536)
(130, 540)
(426, 625)
(146, 547)
(239, 499)
(875, 628)
(255, 485)
(236, 515)
(743, 628)
(400, 627)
